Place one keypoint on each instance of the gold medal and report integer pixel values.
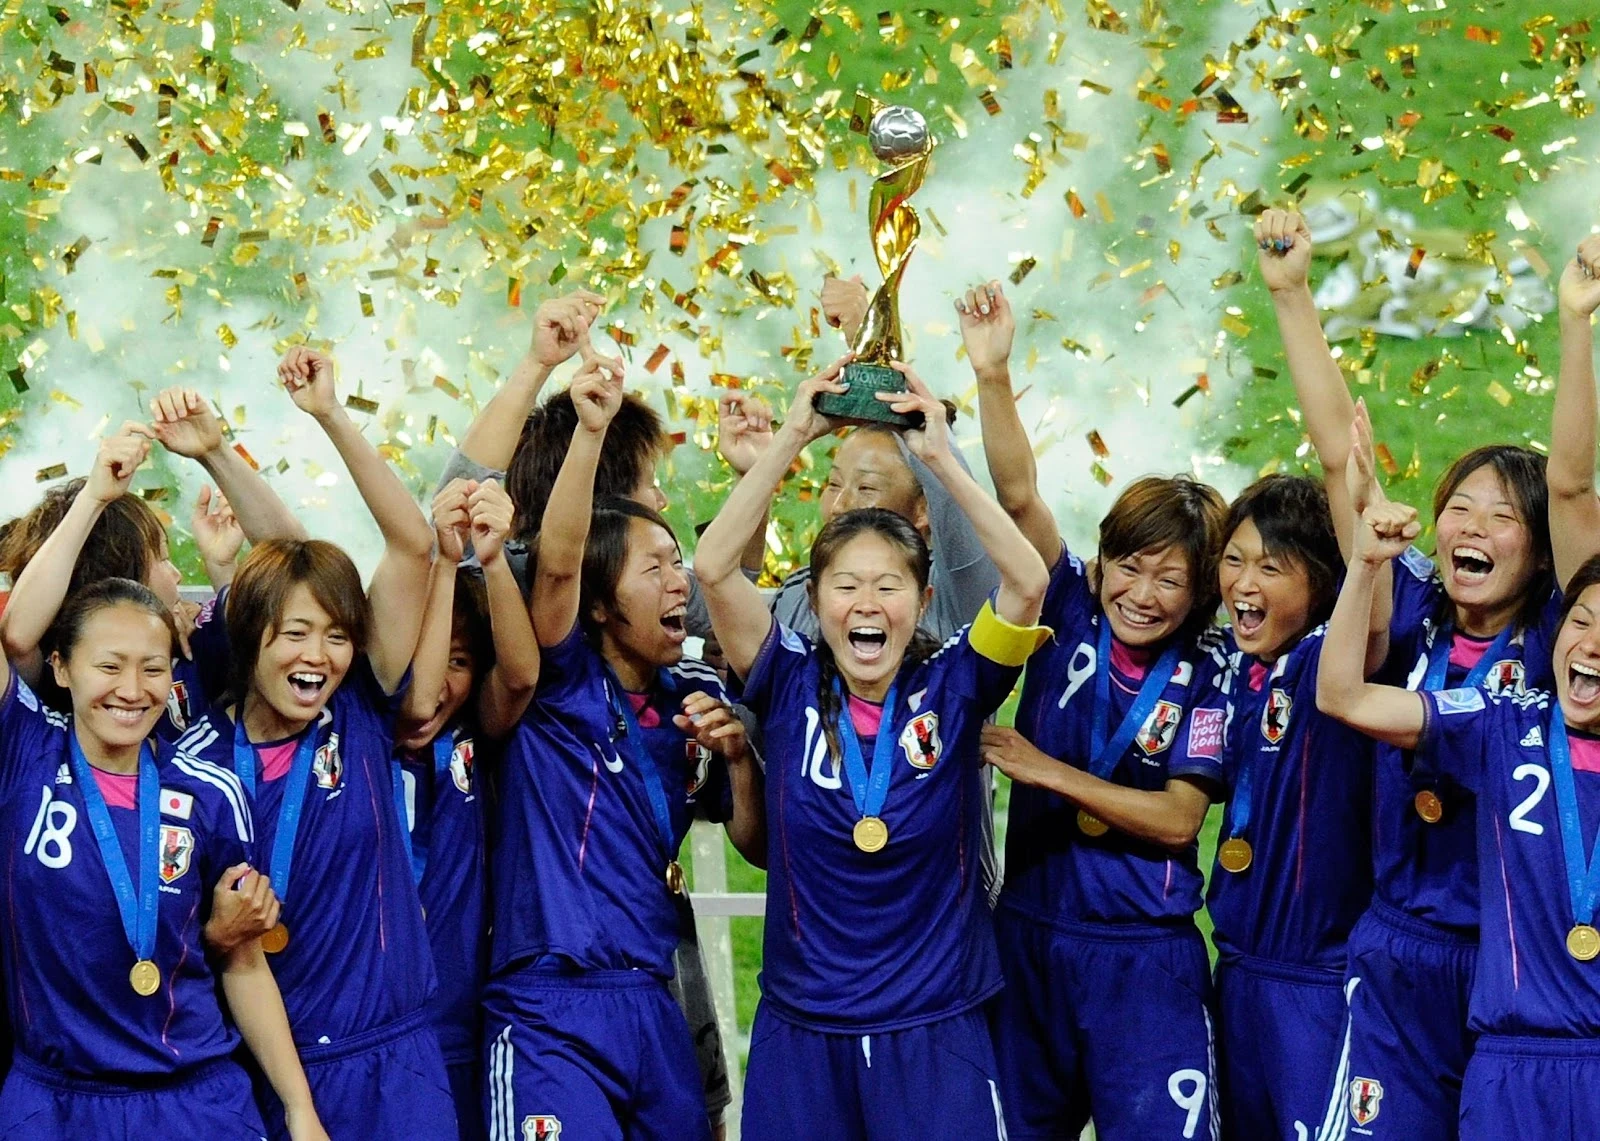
(674, 877)
(871, 834)
(1091, 825)
(1429, 806)
(1235, 855)
(146, 977)
(275, 939)
(1583, 942)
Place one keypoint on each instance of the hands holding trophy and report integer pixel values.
(898, 136)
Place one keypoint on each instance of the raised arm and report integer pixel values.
(1361, 476)
(739, 613)
(1574, 509)
(430, 664)
(564, 532)
(717, 727)
(41, 588)
(402, 573)
(217, 536)
(987, 330)
(1283, 244)
(1169, 817)
(254, 1001)
(1024, 577)
(744, 431)
(560, 329)
(186, 426)
(1385, 712)
(509, 684)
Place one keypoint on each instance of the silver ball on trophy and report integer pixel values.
(898, 133)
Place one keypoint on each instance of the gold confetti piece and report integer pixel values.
(1386, 460)
(46, 474)
(1414, 263)
(990, 103)
(1103, 204)
(385, 187)
(1480, 35)
(447, 388)
(18, 379)
(1024, 268)
(1499, 393)
(361, 404)
(1101, 475)
(75, 251)
(1098, 445)
(366, 302)
(1075, 204)
(213, 226)
(657, 356)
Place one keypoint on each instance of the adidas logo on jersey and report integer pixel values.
(1533, 739)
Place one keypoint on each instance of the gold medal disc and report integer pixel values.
(1091, 825)
(1583, 942)
(146, 977)
(871, 834)
(275, 939)
(674, 877)
(1235, 855)
(1429, 806)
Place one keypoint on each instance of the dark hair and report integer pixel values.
(606, 554)
(1522, 474)
(634, 440)
(1156, 512)
(469, 621)
(124, 542)
(896, 530)
(67, 630)
(1291, 512)
(1586, 576)
(261, 589)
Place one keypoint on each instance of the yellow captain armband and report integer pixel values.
(1001, 642)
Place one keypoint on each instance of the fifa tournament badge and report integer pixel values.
(898, 136)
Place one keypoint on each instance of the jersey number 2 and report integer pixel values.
(1541, 785)
(51, 837)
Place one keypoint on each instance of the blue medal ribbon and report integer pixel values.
(633, 738)
(294, 796)
(1583, 879)
(1109, 753)
(1439, 659)
(444, 747)
(870, 789)
(139, 908)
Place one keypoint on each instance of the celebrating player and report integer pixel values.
(879, 950)
(463, 699)
(1102, 881)
(114, 850)
(309, 731)
(599, 782)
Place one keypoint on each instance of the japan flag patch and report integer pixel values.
(175, 803)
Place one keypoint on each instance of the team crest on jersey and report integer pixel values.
(1365, 1096)
(699, 758)
(178, 705)
(327, 766)
(461, 766)
(1505, 677)
(540, 1128)
(1160, 729)
(1275, 717)
(919, 741)
(177, 845)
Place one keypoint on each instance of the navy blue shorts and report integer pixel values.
(388, 1082)
(1279, 1030)
(1406, 1045)
(598, 1056)
(213, 1103)
(1105, 1022)
(1519, 1088)
(466, 1090)
(934, 1080)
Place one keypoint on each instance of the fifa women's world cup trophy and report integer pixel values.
(898, 136)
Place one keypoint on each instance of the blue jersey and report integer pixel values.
(1495, 744)
(575, 808)
(201, 678)
(1309, 783)
(66, 954)
(358, 956)
(895, 938)
(1429, 870)
(1053, 870)
(445, 812)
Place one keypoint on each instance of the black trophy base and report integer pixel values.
(861, 404)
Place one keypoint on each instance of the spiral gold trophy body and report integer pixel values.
(898, 136)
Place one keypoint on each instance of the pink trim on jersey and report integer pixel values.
(866, 716)
(1505, 887)
(1258, 676)
(1585, 753)
(172, 996)
(1466, 651)
(377, 820)
(588, 813)
(121, 790)
(277, 760)
(1129, 661)
(1166, 886)
(1300, 840)
(648, 717)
